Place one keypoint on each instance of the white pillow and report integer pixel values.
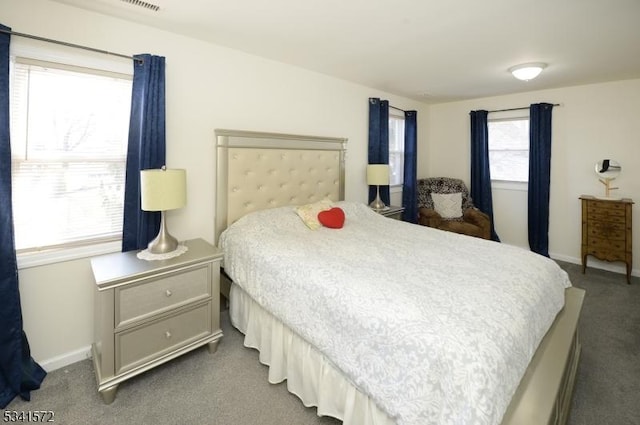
(309, 212)
(448, 205)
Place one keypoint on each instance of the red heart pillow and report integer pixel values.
(333, 218)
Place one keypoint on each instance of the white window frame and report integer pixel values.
(509, 184)
(396, 188)
(21, 47)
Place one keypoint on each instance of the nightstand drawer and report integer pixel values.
(143, 344)
(156, 295)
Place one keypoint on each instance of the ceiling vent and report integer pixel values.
(144, 4)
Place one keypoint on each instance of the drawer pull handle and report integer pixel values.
(167, 335)
(168, 293)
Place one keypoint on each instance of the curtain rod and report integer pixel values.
(398, 109)
(64, 43)
(517, 109)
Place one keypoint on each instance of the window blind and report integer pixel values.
(69, 131)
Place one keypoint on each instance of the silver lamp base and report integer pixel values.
(164, 242)
(377, 203)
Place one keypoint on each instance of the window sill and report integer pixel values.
(396, 188)
(509, 185)
(36, 259)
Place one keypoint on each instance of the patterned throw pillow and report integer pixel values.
(309, 213)
(448, 205)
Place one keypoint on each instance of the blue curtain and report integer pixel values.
(410, 179)
(379, 141)
(19, 373)
(147, 148)
(480, 173)
(539, 176)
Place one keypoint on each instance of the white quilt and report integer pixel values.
(437, 328)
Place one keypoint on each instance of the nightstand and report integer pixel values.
(149, 312)
(392, 212)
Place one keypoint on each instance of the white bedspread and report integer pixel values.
(437, 328)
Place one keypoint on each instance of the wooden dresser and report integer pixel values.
(606, 230)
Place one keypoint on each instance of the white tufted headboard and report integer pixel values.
(265, 170)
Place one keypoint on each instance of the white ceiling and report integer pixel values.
(430, 50)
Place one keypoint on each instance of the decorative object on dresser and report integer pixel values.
(607, 230)
(444, 203)
(378, 175)
(147, 313)
(607, 170)
(392, 212)
(161, 190)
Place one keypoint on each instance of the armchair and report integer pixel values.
(465, 218)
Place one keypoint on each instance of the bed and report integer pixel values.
(409, 334)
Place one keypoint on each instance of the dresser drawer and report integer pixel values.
(143, 344)
(159, 294)
(611, 216)
(606, 205)
(606, 255)
(606, 210)
(615, 231)
(607, 244)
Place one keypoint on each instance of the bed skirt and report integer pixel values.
(309, 374)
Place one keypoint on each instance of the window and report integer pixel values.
(396, 150)
(69, 131)
(509, 149)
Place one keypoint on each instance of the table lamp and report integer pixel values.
(162, 190)
(378, 175)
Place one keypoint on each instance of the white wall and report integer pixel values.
(207, 87)
(593, 122)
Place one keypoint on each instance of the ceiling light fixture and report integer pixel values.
(527, 71)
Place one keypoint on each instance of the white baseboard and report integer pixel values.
(596, 264)
(66, 359)
(565, 258)
(617, 267)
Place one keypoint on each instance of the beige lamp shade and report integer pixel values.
(378, 174)
(163, 189)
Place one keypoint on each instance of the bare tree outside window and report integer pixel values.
(69, 133)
